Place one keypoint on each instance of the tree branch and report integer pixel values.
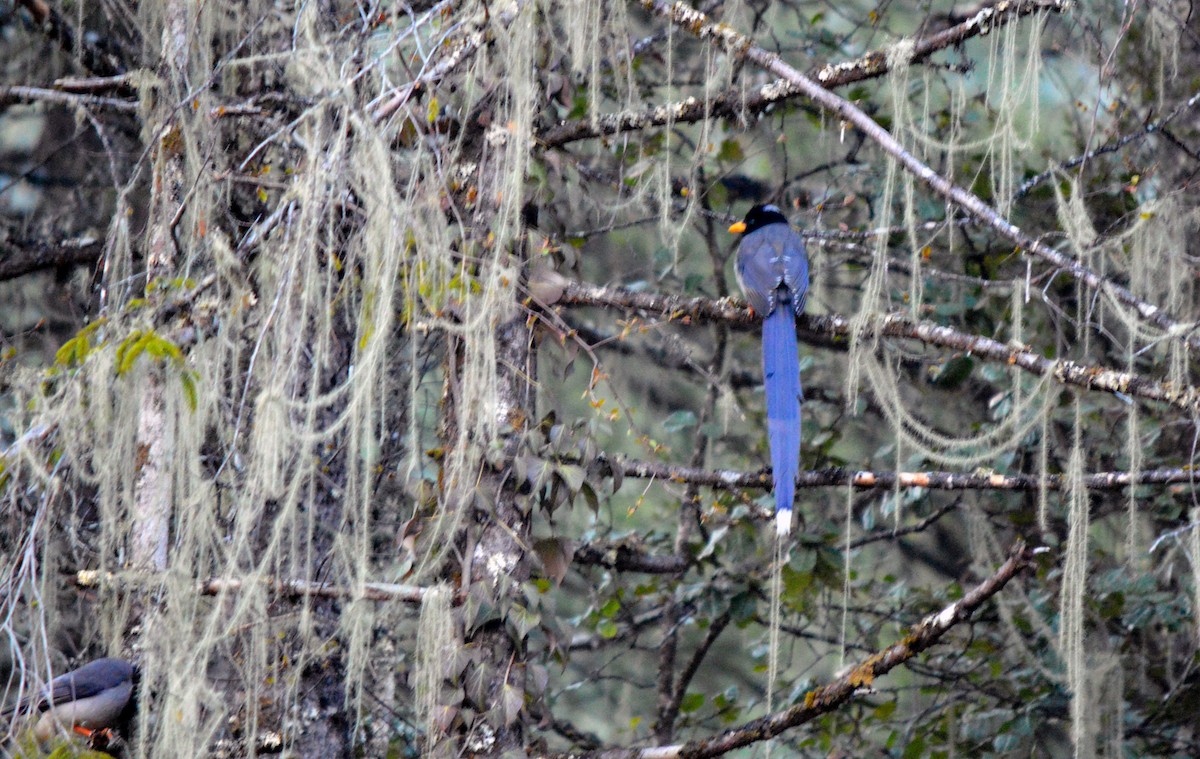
(831, 696)
(19, 94)
(289, 588)
(985, 21)
(623, 558)
(677, 308)
(892, 534)
(729, 479)
(715, 629)
(30, 256)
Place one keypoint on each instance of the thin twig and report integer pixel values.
(1111, 147)
(892, 534)
(715, 629)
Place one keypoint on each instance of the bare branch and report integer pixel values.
(892, 534)
(689, 670)
(30, 256)
(94, 84)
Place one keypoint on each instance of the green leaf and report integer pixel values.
(524, 619)
(726, 698)
(511, 701)
(160, 348)
(555, 555)
(536, 679)
(731, 150)
(795, 584)
(610, 607)
(952, 373)
(691, 702)
(915, 749)
(589, 495)
(1002, 743)
(572, 476)
(717, 535)
(74, 351)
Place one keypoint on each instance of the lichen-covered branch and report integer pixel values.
(288, 587)
(983, 21)
(153, 503)
(684, 310)
(729, 479)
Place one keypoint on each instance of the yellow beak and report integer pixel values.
(738, 228)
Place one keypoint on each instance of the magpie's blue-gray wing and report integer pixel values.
(89, 680)
(771, 257)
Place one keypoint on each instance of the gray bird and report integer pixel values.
(95, 697)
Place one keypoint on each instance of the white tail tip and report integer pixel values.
(783, 522)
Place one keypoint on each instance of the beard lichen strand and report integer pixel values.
(1071, 638)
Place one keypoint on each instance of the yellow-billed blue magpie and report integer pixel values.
(772, 268)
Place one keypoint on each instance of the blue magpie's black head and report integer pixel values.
(758, 217)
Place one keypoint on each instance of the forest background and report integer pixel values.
(373, 375)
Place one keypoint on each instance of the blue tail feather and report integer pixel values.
(781, 380)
